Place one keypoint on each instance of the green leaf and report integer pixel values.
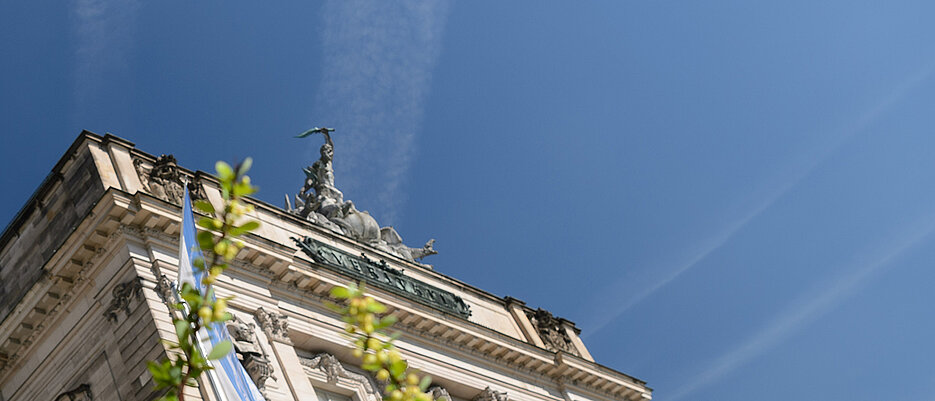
(220, 350)
(244, 166)
(399, 367)
(182, 328)
(205, 240)
(376, 307)
(208, 223)
(340, 292)
(225, 173)
(246, 227)
(204, 206)
(424, 383)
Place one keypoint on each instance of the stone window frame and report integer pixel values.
(337, 377)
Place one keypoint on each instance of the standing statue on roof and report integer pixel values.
(323, 204)
(327, 199)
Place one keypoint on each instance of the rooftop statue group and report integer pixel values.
(323, 204)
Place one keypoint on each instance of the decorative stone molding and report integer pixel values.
(251, 355)
(164, 289)
(122, 294)
(164, 180)
(439, 393)
(333, 370)
(81, 393)
(551, 332)
(490, 394)
(274, 325)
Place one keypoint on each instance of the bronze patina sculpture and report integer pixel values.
(323, 204)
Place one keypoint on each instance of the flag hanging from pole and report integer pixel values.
(230, 380)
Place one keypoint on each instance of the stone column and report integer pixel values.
(276, 329)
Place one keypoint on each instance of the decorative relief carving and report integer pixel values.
(251, 355)
(439, 394)
(333, 370)
(122, 294)
(551, 332)
(274, 324)
(164, 180)
(164, 289)
(81, 393)
(490, 394)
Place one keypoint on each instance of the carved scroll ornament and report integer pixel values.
(122, 294)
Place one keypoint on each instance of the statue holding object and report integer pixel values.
(323, 204)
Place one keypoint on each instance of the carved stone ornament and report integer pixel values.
(490, 394)
(439, 394)
(551, 332)
(164, 289)
(81, 393)
(164, 180)
(274, 325)
(322, 203)
(122, 294)
(251, 355)
(333, 370)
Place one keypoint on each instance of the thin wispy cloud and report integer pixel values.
(377, 69)
(809, 308)
(103, 38)
(797, 170)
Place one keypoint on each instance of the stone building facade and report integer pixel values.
(86, 268)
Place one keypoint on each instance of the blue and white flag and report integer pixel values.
(230, 380)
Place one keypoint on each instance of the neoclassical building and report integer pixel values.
(87, 266)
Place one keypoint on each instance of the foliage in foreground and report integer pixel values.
(362, 316)
(219, 244)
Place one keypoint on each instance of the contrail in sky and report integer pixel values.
(377, 68)
(104, 31)
(797, 171)
(808, 309)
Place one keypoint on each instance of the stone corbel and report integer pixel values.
(439, 394)
(333, 370)
(274, 325)
(490, 394)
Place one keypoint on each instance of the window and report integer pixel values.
(325, 395)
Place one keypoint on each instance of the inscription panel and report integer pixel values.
(379, 274)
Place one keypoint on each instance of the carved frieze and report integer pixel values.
(80, 393)
(122, 294)
(333, 370)
(254, 359)
(490, 394)
(551, 332)
(274, 325)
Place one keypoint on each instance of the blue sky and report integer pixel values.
(732, 199)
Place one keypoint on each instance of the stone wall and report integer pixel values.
(41, 228)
